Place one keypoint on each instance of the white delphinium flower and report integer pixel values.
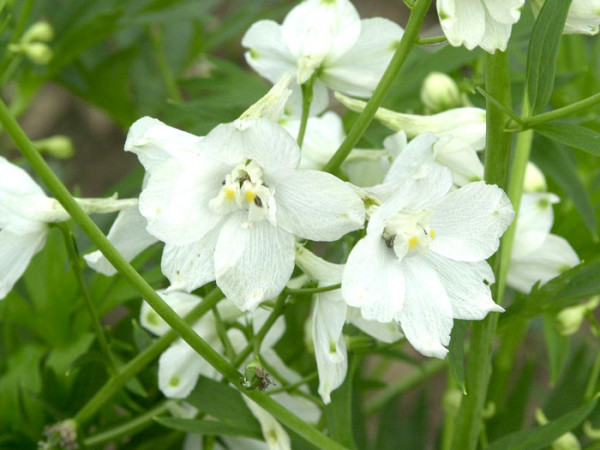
(228, 205)
(25, 212)
(423, 260)
(479, 23)
(325, 39)
(461, 132)
(583, 16)
(537, 255)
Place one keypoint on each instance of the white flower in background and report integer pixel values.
(323, 137)
(583, 16)
(228, 205)
(537, 255)
(325, 39)
(535, 181)
(25, 212)
(440, 92)
(479, 23)
(423, 260)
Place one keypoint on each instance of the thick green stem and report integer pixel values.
(74, 259)
(61, 193)
(137, 364)
(307, 98)
(408, 41)
(497, 159)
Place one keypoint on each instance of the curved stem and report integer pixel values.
(561, 112)
(409, 39)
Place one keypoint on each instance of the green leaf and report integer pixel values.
(557, 347)
(544, 435)
(207, 427)
(575, 136)
(338, 413)
(556, 163)
(456, 353)
(584, 284)
(543, 53)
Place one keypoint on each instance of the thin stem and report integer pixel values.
(136, 365)
(307, 98)
(129, 428)
(60, 192)
(409, 39)
(497, 161)
(74, 260)
(156, 38)
(293, 386)
(562, 112)
(425, 372)
(222, 332)
(315, 290)
(432, 40)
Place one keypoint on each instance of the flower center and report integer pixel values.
(408, 232)
(244, 189)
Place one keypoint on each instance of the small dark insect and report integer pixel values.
(264, 379)
(258, 201)
(390, 242)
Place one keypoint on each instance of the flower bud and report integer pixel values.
(38, 32)
(38, 52)
(569, 320)
(439, 92)
(451, 401)
(535, 181)
(567, 441)
(60, 147)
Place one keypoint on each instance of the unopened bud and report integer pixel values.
(569, 320)
(451, 401)
(439, 92)
(535, 181)
(255, 377)
(59, 146)
(38, 52)
(60, 435)
(567, 441)
(38, 32)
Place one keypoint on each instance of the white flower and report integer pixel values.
(327, 39)
(483, 23)
(537, 255)
(25, 212)
(583, 16)
(228, 205)
(422, 262)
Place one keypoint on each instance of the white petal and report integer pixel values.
(128, 234)
(470, 298)
(268, 54)
(469, 222)
(274, 434)
(155, 142)
(175, 201)
(385, 332)
(426, 317)
(320, 100)
(533, 223)
(315, 205)
(358, 71)
(496, 35)
(317, 268)
(16, 251)
(190, 266)
(460, 158)
(504, 11)
(463, 21)
(180, 302)
(373, 280)
(583, 17)
(411, 157)
(252, 262)
(329, 317)
(549, 260)
(16, 181)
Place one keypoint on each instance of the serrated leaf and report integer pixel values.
(544, 435)
(543, 53)
(456, 357)
(572, 135)
(207, 427)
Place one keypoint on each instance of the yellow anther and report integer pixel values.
(412, 242)
(229, 194)
(250, 196)
(432, 233)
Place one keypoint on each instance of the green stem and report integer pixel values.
(409, 39)
(74, 260)
(156, 38)
(406, 383)
(134, 366)
(292, 386)
(497, 161)
(307, 98)
(211, 356)
(316, 290)
(127, 429)
(561, 112)
(222, 332)
(431, 40)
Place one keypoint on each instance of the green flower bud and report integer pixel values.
(451, 401)
(439, 93)
(255, 376)
(567, 441)
(59, 146)
(569, 320)
(38, 52)
(38, 32)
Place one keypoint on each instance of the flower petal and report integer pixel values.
(373, 280)
(467, 285)
(549, 260)
(180, 302)
(358, 71)
(468, 222)
(384, 332)
(533, 223)
(463, 21)
(252, 262)
(460, 158)
(315, 205)
(16, 251)
(504, 11)
(410, 157)
(274, 434)
(128, 234)
(426, 317)
(179, 368)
